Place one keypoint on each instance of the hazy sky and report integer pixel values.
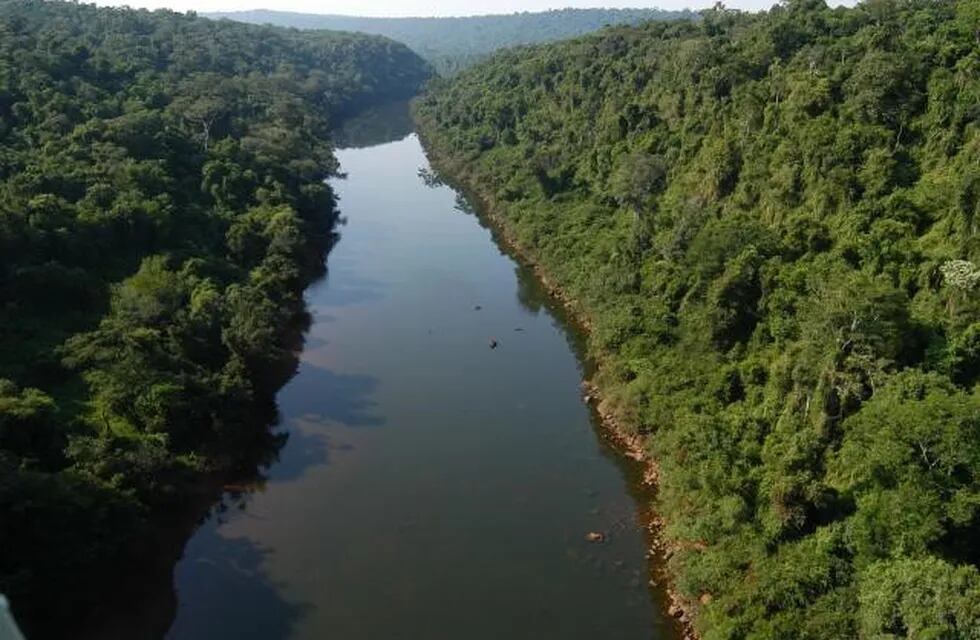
(416, 7)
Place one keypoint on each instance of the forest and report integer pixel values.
(162, 206)
(770, 223)
(451, 44)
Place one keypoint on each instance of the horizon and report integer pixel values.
(428, 9)
(436, 17)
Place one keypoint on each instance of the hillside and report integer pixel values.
(162, 207)
(770, 223)
(454, 43)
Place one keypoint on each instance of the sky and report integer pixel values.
(417, 7)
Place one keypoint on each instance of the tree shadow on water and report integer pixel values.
(224, 592)
(307, 446)
(345, 288)
(315, 400)
(345, 399)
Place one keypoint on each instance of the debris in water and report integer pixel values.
(595, 536)
(493, 343)
(477, 308)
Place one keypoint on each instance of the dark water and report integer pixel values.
(431, 487)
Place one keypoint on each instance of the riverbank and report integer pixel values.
(417, 454)
(618, 425)
(230, 473)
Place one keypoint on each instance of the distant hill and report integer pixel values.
(453, 43)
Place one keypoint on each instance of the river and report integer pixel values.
(431, 487)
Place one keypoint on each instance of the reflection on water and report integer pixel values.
(378, 125)
(431, 487)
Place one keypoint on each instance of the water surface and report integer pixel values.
(431, 487)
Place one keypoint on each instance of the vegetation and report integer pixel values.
(770, 221)
(162, 205)
(451, 44)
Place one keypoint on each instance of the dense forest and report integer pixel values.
(162, 206)
(451, 44)
(770, 222)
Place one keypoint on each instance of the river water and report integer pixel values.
(431, 487)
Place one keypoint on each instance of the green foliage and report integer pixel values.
(162, 206)
(770, 222)
(28, 426)
(57, 526)
(919, 598)
(910, 461)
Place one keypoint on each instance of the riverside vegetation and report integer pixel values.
(770, 222)
(162, 206)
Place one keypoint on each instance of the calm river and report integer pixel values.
(431, 487)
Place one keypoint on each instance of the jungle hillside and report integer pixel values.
(770, 222)
(162, 206)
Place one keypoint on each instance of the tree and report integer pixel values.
(919, 598)
(637, 177)
(911, 459)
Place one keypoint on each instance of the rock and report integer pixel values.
(587, 399)
(595, 536)
(705, 598)
(675, 611)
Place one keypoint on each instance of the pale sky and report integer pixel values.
(420, 7)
